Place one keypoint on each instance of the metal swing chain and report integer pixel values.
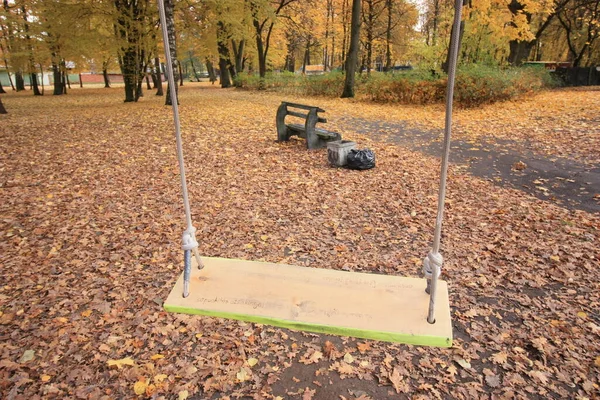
(189, 242)
(432, 264)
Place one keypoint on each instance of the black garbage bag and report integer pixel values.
(361, 159)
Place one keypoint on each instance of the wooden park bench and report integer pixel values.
(315, 137)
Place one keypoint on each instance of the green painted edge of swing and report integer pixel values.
(432, 341)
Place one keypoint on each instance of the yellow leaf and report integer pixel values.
(348, 358)
(452, 370)
(243, 375)
(86, 313)
(252, 362)
(582, 314)
(120, 363)
(157, 357)
(140, 387)
(198, 335)
(264, 238)
(45, 378)
(159, 378)
(597, 361)
(249, 245)
(555, 258)
(50, 195)
(183, 395)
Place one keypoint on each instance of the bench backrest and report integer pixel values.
(302, 107)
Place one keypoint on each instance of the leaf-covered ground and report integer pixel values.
(91, 219)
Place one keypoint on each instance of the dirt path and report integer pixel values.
(570, 183)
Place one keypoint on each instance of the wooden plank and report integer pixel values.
(381, 307)
(302, 106)
(325, 134)
(301, 115)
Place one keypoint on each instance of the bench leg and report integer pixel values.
(312, 140)
(283, 133)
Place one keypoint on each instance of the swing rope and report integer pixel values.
(189, 242)
(432, 264)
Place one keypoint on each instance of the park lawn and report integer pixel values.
(91, 220)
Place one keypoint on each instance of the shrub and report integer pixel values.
(475, 85)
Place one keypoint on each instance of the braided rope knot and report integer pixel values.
(189, 239)
(432, 259)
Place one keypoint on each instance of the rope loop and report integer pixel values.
(432, 259)
(189, 239)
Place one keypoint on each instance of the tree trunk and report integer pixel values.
(388, 36)
(42, 75)
(369, 32)
(57, 78)
(331, 64)
(1, 88)
(224, 56)
(519, 51)
(180, 75)
(106, 79)
(130, 30)
(80, 81)
(128, 68)
(436, 16)
(170, 20)
(193, 67)
(211, 71)
(148, 85)
(352, 57)
(345, 32)
(238, 54)
(34, 84)
(158, 74)
(19, 81)
(66, 80)
(446, 63)
(2, 109)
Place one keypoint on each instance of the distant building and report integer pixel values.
(317, 69)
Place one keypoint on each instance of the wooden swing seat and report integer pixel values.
(370, 306)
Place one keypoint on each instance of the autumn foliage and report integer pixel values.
(91, 221)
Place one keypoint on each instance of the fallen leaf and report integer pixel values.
(539, 375)
(252, 362)
(140, 387)
(244, 374)
(499, 358)
(45, 378)
(363, 347)
(27, 356)
(452, 370)
(308, 394)
(120, 363)
(157, 357)
(348, 358)
(492, 381)
(183, 395)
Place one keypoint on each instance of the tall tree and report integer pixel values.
(131, 27)
(264, 15)
(352, 57)
(581, 23)
(170, 20)
(529, 21)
